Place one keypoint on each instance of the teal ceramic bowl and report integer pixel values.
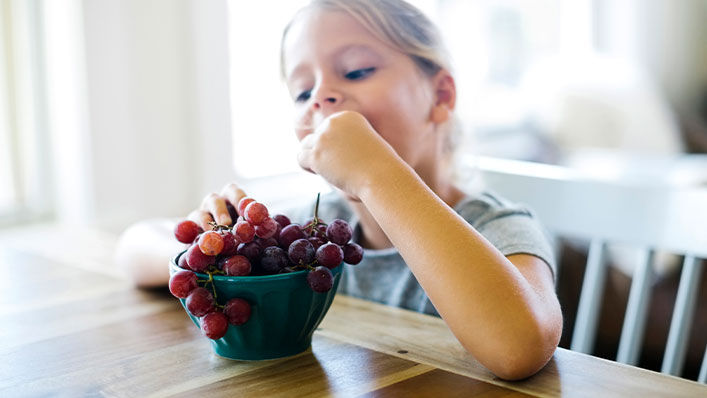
(284, 313)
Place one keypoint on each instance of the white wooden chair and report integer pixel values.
(604, 210)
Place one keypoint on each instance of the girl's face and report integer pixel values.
(332, 63)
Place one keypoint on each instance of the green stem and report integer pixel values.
(315, 221)
(316, 208)
(213, 287)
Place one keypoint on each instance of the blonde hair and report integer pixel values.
(395, 22)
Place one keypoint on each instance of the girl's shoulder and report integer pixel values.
(485, 206)
(511, 227)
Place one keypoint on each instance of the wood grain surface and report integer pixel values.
(69, 329)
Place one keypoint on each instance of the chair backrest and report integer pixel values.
(651, 216)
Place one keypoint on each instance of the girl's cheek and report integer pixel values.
(302, 132)
(303, 124)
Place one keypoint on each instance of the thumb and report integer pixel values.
(305, 154)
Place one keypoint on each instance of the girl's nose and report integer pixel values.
(326, 98)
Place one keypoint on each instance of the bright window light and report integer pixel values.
(7, 186)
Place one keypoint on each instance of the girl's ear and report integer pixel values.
(445, 97)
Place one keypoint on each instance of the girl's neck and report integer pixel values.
(372, 235)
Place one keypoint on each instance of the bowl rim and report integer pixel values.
(251, 278)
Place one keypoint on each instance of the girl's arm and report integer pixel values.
(503, 310)
(144, 250)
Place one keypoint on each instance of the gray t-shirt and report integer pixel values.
(383, 276)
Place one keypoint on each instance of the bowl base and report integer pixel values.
(241, 354)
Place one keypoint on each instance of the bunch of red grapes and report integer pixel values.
(256, 244)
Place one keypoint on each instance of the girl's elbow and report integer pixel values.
(521, 365)
(142, 254)
(528, 355)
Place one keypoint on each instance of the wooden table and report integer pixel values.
(70, 327)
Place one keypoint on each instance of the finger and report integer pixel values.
(304, 156)
(233, 193)
(216, 205)
(304, 160)
(201, 218)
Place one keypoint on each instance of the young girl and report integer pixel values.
(375, 97)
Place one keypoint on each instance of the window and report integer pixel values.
(23, 189)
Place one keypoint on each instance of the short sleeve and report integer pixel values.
(511, 228)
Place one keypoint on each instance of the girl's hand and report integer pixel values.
(345, 149)
(214, 207)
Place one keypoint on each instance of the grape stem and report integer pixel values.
(219, 227)
(213, 288)
(315, 220)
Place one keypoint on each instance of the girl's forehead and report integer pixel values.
(324, 33)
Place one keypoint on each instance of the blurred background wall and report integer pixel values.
(124, 110)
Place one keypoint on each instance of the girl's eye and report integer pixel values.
(304, 96)
(359, 73)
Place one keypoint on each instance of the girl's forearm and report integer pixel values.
(485, 300)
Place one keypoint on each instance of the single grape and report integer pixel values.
(200, 302)
(282, 219)
(182, 283)
(301, 252)
(197, 260)
(256, 213)
(244, 231)
(211, 243)
(339, 232)
(243, 203)
(316, 241)
(229, 244)
(330, 255)
(353, 253)
(320, 279)
(237, 311)
(182, 262)
(214, 325)
(186, 231)
(263, 243)
(237, 265)
(290, 234)
(267, 228)
(273, 260)
(251, 250)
